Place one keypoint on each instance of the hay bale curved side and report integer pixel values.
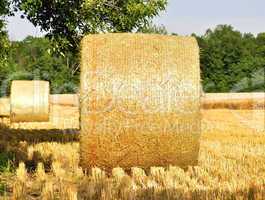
(140, 101)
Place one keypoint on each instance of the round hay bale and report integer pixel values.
(140, 101)
(29, 101)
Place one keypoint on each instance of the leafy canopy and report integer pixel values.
(66, 21)
(232, 61)
(4, 42)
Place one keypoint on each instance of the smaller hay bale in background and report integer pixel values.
(29, 101)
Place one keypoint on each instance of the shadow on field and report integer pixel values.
(14, 143)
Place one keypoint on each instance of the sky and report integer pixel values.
(184, 17)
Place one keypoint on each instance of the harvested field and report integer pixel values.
(239, 101)
(231, 166)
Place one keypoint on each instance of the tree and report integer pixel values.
(152, 28)
(4, 10)
(66, 21)
(261, 44)
(4, 42)
(230, 60)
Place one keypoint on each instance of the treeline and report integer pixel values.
(230, 62)
(32, 59)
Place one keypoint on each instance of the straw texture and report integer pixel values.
(238, 101)
(65, 99)
(61, 117)
(29, 101)
(4, 107)
(140, 101)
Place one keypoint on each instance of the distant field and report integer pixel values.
(231, 166)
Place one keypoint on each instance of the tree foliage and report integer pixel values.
(66, 21)
(152, 28)
(4, 10)
(4, 42)
(232, 61)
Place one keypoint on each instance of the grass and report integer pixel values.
(231, 166)
(2, 189)
(6, 162)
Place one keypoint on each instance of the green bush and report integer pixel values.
(6, 160)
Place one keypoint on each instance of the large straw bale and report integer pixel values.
(140, 101)
(29, 101)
